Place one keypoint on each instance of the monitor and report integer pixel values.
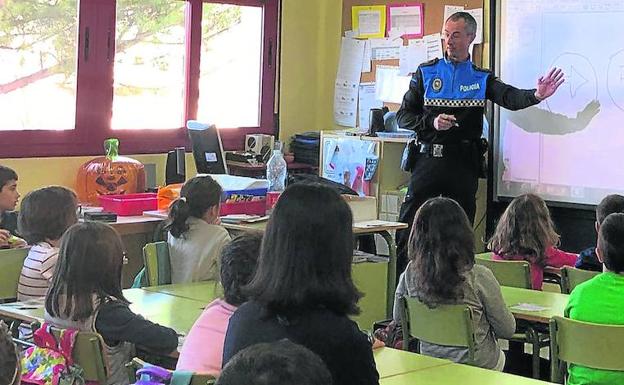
(207, 148)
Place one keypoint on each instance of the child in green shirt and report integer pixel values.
(599, 300)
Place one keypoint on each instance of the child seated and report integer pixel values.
(525, 231)
(8, 200)
(86, 295)
(587, 258)
(9, 359)
(45, 215)
(195, 238)
(442, 270)
(599, 300)
(203, 347)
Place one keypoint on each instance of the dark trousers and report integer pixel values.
(455, 177)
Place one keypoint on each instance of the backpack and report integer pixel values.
(50, 362)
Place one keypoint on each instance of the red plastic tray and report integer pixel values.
(129, 204)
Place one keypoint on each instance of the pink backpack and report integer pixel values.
(50, 362)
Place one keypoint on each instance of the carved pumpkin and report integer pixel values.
(110, 174)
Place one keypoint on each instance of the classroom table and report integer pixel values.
(168, 310)
(392, 362)
(204, 292)
(554, 303)
(458, 374)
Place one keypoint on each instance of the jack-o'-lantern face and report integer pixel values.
(111, 180)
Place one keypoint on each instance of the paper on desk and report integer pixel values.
(411, 56)
(345, 102)
(434, 46)
(366, 101)
(527, 307)
(233, 182)
(375, 223)
(390, 87)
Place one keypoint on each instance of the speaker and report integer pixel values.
(175, 171)
(260, 144)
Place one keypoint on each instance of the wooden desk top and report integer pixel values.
(391, 362)
(555, 303)
(204, 292)
(458, 374)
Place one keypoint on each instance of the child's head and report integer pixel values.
(525, 228)
(200, 197)
(238, 264)
(306, 255)
(276, 363)
(46, 213)
(441, 248)
(610, 248)
(8, 189)
(613, 203)
(89, 266)
(9, 361)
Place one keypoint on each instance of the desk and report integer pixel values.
(554, 302)
(458, 374)
(392, 362)
(204, 292)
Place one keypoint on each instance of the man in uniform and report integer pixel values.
(444, 105)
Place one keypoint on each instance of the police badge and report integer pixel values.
(437, 84)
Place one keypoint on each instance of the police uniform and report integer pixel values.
(447, 162)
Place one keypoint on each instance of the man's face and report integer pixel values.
(9, 196)
(456, 39)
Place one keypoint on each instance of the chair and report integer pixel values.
(486, 255)
(509, 273)
(583, 343)
(157, 263)
(88, 353)
(449, 325)
(517, 274)
(571, 277)
(11, 262)
(196, 379)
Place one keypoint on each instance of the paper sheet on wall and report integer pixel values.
(411, 56)
(366, 61)
(448, 11)
(477, 13)
(434, 46)
(351, 54)
(366, 101)
(384, 49)
(406, 20)
(345, 102)
(390, 87)
(369, 21)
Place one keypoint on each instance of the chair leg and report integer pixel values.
(533, 339)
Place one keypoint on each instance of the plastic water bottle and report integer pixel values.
(276, 170)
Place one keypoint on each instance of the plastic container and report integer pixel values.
(129, 204)
(277, 170)
(250, 201)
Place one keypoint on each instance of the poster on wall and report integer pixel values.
(350, 161)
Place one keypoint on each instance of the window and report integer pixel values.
(81, 72)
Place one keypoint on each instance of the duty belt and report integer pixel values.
(440, 150)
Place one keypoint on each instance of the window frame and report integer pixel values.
(94, 87)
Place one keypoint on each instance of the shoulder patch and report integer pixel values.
(430, 62)
(479, 69)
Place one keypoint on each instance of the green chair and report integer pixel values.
(517, 274)
(11, 263)
(571, 277)
(509, 273)
(449, 325)
(157, 263)
(88, 353)
(196, 379)
(583, 343)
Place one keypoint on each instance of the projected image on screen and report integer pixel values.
(569, 148)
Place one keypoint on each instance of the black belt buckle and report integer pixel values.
(437, 150)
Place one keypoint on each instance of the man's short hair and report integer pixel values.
(610, 204)
(276, 363)
(611, 242)
(6, 175)
(471, 23)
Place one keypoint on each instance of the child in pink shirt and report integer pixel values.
(202, 351)
(525, 231)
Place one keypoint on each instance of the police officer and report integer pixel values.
(444, 105)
